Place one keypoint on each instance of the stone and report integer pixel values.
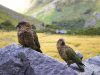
(18, 60)
(80, 55)
(92, 66)
(94, 60)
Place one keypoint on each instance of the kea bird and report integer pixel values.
(27, 37)
(69, 55)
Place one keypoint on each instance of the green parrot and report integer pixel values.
(27, 37)
(36, 41)
(69, 55)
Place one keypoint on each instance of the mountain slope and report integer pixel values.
(37, 5)
(69, 13)
(14, 17)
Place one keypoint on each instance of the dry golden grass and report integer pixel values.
(89, 46)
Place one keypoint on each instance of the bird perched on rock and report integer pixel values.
(35, 37)
(27, 36)
(68, 55)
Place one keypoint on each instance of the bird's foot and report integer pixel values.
(81, 70)
(68, 65)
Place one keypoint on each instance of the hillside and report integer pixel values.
(67, 13)
(14, 17)
(37, 5)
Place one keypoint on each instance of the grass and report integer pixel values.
(4, 16)
(67, 13)
(89, 46)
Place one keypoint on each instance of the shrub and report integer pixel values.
(7, 25)
(86, 31)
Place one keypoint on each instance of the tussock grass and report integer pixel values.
(89, 46)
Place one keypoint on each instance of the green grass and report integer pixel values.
(71, 12)
(89, 46)
(4, 17)
(14, 17)
(98, 6)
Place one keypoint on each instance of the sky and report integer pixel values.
(16, 5)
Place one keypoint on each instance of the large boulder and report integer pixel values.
(16, 60)
(94, 60)
(90, 69)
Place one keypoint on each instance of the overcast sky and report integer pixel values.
(17, 5)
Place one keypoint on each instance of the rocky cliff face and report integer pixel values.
(81, 13)
(16, 60)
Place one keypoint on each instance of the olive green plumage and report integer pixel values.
(69, 55)
(36, 41)
(27, 36)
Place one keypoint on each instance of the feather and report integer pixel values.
(69, 55)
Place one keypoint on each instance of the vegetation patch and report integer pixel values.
(89, 46)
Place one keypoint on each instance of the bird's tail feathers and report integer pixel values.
(39, 50)
(81, 67)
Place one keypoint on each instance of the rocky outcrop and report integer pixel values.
(16, 60)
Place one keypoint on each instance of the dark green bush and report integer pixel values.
(53, 27)
(71, 24)
(86, 31)
(7, 25)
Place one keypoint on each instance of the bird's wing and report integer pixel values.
(36, 39)
(26, 39)
(72, 55)
(29, 39)
(21, 39)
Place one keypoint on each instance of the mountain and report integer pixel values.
(37, 5)
(14, 17)
(67, 13)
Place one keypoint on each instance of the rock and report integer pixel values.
(97, 15)
(90, 69)
(92, 66)
(90, 22)
(94, 60)
(16, 60)
(79, 54)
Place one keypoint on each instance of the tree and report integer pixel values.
(7, 25)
